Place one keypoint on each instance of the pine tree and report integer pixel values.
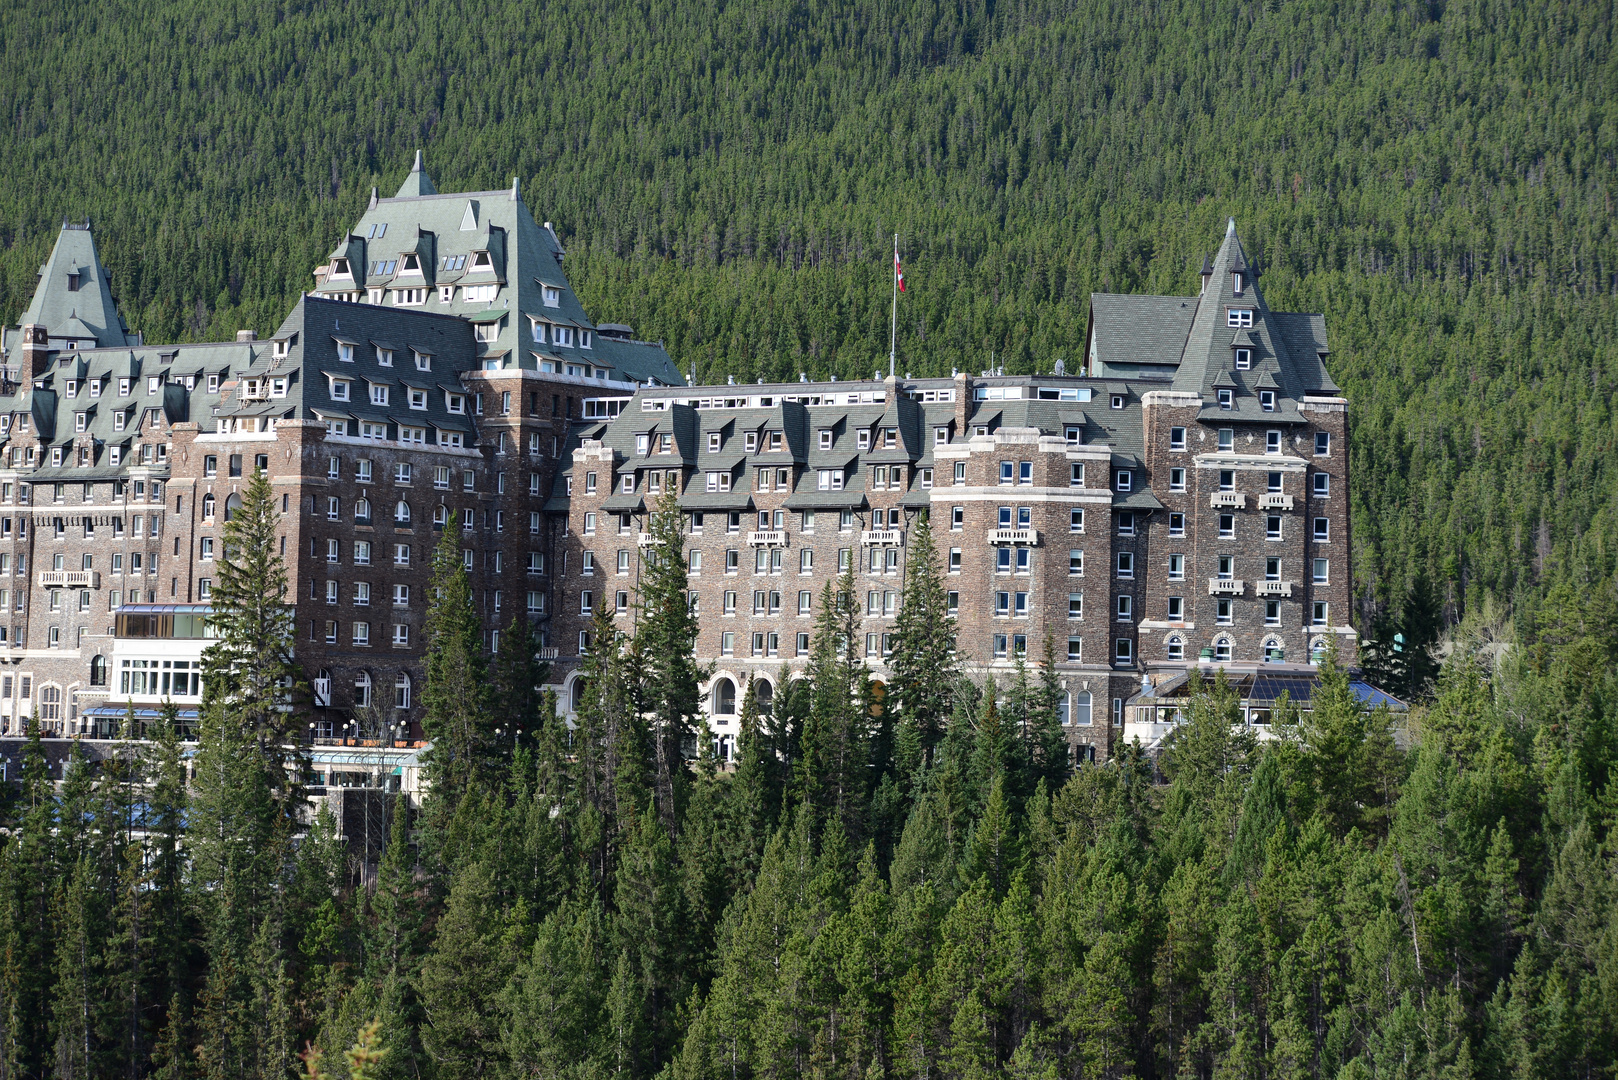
(923, 667)
(831, 770)
(456, 714)
(665, 646)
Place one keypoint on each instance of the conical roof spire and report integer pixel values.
(418, 183)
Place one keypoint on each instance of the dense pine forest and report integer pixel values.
(1437, 177)
(918, 887)
(910, 885)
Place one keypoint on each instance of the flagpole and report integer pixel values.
(893, 321)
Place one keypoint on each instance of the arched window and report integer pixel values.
(879, 693)
(1081, 709)
(724, 697)
(1222, 649)
(362, 690)
(1317, 651)
(575, 697)
(98, 671)
(763, 696)
(1273, 653)
(440, 516)
(232, 504)
(1064, 709)
(208, 505)
(362, 511)
(1176, 647)
(50, 702)
(401, 691)
(401, 513)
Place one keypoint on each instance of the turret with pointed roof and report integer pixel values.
(482, 256)
(73, 299)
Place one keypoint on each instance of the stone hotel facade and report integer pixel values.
(1181, 501)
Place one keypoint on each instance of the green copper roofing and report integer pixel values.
(74, 295)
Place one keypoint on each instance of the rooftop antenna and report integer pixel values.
(893, 321)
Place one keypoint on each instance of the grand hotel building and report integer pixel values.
(1181, 501)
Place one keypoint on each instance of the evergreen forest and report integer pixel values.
(912, 883)
(917, 885)
(1437, 177)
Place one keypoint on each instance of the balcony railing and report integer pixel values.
(647, 540)
(1225, 586)
(882, 537)
(1275, 501)
(1273, 588)
(1232, 499)
(70, 579)
(767, 538)
(1014, 536)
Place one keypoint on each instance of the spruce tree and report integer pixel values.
(664, 643)
(831, 771)
(455, 699)
(923, 667)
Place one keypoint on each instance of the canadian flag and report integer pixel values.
(898, 271)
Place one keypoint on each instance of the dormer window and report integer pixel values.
(213, 386)
(775, 441)
(339, 390)
(489, 331)
(538, 332)
(424, 361)
(1236, 283)
(750, 441)
(81, 421)
(553, 296)
(412, 265)
(584, 339)
(864, 438)
(377, 231)
(454, 262)
(73, 282)
(480, 261)
(1117, 401)
(278, 387)
(152, 383)
(72, 388)
(1266, 400)
(1225, 401)
(345, 352)
(119, 419)
(379, 394)
(455, 403)
(1244, 359)
(282, 345)
(713, 442)
(562, 335)
(384, 357)
(890, 438)
(418, 399)
(1242, 318)
(340, 269)
(481, 294)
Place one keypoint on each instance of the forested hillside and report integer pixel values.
(1436, 177)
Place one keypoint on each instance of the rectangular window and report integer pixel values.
(1227, 525)
(1126, 523)
(1272, 569)
(1176, 609)
(1272, 527)
(1123, 652)
(1239, 317)
(1075, 563)
(1176, 524)
(1176, 567)
(1126, 565)
(1222, 612)
(1322, 571)
(1319, 613)
(1126, 608)
(1075, 521)
(1322, 485)
(1322, 444)
(1266, 400)
(1322, 529)
(1272, 613)
(1272, 442)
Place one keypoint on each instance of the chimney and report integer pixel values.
(963, 402)
(247, 335)
(36, 354)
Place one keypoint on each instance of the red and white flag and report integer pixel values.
(898, 271)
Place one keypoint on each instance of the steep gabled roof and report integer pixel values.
(74, 295)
